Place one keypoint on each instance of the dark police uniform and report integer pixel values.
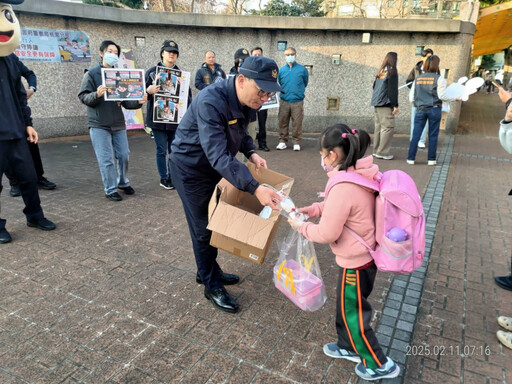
(15, 116)
(212, 132)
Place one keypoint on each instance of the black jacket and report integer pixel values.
(385, 92)
(15, 114)
(151, 103)
(101, 113)
(205, 76)
(415, 72)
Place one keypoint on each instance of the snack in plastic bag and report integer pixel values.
(297, 273)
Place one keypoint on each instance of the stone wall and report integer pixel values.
(58, 112)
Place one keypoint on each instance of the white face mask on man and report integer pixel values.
(111, 59)
(290, 58)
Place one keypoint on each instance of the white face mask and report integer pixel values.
(111, 59)
(290, 58)
(327, 168)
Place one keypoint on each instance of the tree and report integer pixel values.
(308, 8)
(488, 61)
(129, 4)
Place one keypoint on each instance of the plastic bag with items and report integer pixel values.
(297, 273)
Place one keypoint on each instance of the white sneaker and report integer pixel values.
(296, 147)
(383, 157)
(410, 162)
(432, 162)
(281, 146)
(421, 145)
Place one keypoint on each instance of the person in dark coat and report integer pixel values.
(212, 132)
(163, 133)
(16, 126)
(210, 72)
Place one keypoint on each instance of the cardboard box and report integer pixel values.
(234, 221)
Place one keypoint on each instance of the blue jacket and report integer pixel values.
(212, 132)
(294, 81)
(205, 76)
(15, 114)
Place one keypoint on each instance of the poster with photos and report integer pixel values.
(166, 109)
(123, 84)
(173, 94)
(273, 102)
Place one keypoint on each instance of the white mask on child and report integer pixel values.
(327, 168)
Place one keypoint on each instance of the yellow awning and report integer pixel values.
(493, 29)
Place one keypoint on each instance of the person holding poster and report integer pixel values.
(212, 132)
(163, 132)
(106, 123)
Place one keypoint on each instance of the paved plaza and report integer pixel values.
(110, 296)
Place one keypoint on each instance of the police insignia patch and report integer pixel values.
(274, 73)
(172, 44)
(245, 52)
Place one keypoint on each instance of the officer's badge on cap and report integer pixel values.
(263, 71)
(169, 46)
(241, 54)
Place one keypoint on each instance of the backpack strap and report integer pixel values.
(360, 239)
(354, 178)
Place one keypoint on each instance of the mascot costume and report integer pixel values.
(16, 123)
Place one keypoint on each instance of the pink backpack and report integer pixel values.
(398, 215)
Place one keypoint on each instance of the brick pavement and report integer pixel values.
(110, 295)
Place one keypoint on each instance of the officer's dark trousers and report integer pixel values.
(15, 155)
(195, 189)
(38, 164)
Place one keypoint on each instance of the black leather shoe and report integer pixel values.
(128, 190)
(504, 282)
(4, 236)
(15, 191)
(44, 183)
(264, 148)
(44, 224)
(114, 196)
(225, 279)
(221, 300)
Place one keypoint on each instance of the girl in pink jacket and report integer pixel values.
(351, 205)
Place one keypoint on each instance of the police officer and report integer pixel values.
(207, 140)
(240, 55)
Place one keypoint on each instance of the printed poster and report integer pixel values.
(123, 84)
(171, 101)
(133, 118)
(51, 45)
(166, 109)
(273, 102)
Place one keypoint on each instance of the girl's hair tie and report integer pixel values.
(354, 131)
(344, 136)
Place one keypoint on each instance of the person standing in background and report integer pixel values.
(385, 101)
(415, 72)
(163, 133)
(262, 114)
(293, 78)
(210, 72)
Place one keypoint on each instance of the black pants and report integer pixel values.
(262, 130)
(354, 313)
(195, 189)
(38, 164)
(15, 155)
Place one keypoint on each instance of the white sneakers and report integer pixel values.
(432, 162)
(384, 157)
(410, 162)
(280, 146)
(421, 145)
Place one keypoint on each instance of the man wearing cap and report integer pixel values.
(212, 132)
(293, 78)
(210, 72)
(163, 133)
(240, 55)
